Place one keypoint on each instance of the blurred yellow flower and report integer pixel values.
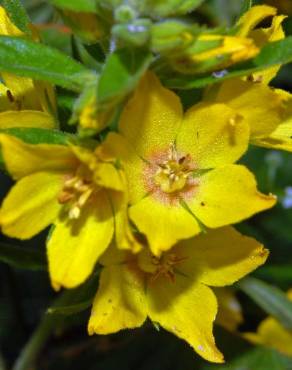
(23, 102)
(272, 334)
(180, 168)
(173, 290)
(76, 189)
(229, 310)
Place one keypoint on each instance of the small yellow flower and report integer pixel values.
(229, 310)
(173, 289)
(23, 102)
(77, 190)
(271, 333)
(213, 52)
(261, 36)
(179, 167)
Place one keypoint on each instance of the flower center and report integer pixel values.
(172, 174)
(165, 266)
(76, 192)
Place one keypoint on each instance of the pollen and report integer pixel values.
(173, 173)
(75, 194)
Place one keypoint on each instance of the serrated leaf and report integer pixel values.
(76, 5)
(121, 73)
(274, 53)
(30, 59)
(17, 14)
(269, 298)
(22, 257)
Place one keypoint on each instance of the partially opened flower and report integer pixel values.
(76, 189)
(261, 35)
(271, 333)
(23, 102)
(173, 290)
(179, 167)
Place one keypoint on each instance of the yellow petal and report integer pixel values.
(105, 174)
(6, 26)
(130, 163)
(253, 17)
(124, 236)
(260, 106)
(31, 205)
(119, 303)
(151, 118)
(187, 309)
(229, 310)
(163, 224)
(26, 118)
(22, 159)
(213, 134)
(221, 256)
(280, 138)
(270, 333)
(75, 246)
(228, 195)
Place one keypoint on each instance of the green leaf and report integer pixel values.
(38, 135)
(22, 257)
(76, 5)
(246, 5)
(30, 59)
(121, 73)
(269, 298)
(280, 274)
(162, 8)
(274, 53)
(17, 14)
(77, 299)
(257, 359)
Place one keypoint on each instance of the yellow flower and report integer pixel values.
(76, 189)
(229, 310)
(179, 167)
(23, 102)
(213, 52)
(173, 290)
(261, 36)
(272, 334)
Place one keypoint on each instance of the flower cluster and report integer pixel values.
(152, 199)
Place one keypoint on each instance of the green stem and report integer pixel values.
(32, 349)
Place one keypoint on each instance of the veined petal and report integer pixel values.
(26, 118)
(130, 163)
(75, 245)
(163, 224)
(188, 309)
(120, 301)
(31, 205)
(151, 118)
(261, 107)
(228, 195)
(221, 256)
(22, 159)
(213, 134)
